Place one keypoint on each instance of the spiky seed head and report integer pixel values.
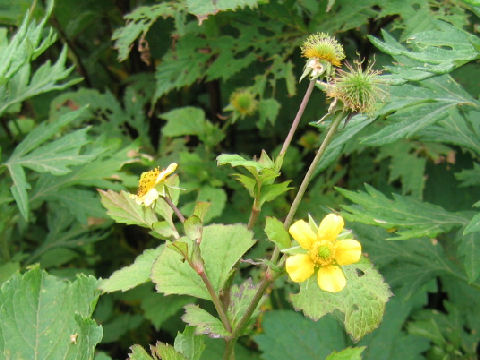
(359, 90)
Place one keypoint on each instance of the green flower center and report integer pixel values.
(324, 252)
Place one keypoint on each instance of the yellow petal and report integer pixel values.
(347, 252)
(331, 278)
(164, 173)
(303, 234)
(150, 197)
(299, 267)
(330, 227)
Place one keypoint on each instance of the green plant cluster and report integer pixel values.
(95, 93)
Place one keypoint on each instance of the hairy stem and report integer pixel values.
(269, 277)
(296, 121)
(216, 300)
(253, 215)
(311, 169)
(174, 208)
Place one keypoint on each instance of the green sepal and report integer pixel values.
(193, 228)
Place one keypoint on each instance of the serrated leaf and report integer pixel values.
(288, 335)
(473, 225)
(406, 166)
(349, 134)
(407, 265)
(184, 121)
(270, 192)
(202, 9)
(123, 209)
(204, 323)
(268, 110)
(139, 22)
(240, 298)
(166, 352)
(46, 317)
(408, 217)
(189, 344)
(437, 50)
(347, 354)
(469, 250)
(137, 352)
(237, 160)
(159, 308)
(222, 247)
(276, 232)
(172, 275)
(362, 301)
(133, 275)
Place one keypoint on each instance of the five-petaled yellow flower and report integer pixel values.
(324, 252)
(151, 185)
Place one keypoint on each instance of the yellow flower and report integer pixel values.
(151, 185)
(324, 252)
(323, 47)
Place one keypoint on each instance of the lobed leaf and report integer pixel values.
(362, 301)
(45, 317)
(133, 275)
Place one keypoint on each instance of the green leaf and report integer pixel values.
(347, 354)
(288, 335)
(247, 182)
(166, 352)
(389, 340)
(172, 275)
(193, 228)
(469, 250)
(7, 270)
(123, 209)
(133, 275)
(240, 299)
(270, 192)
(139, 22)
(277, 233)
(189, 344)
(406, 216)
(137, 352)
(159, 308)
(362, 301)
(436, 51)
(204, 322)
(407, 265)
(217, 198)
(184, 121)
(222, 247)
(473, 225)
(346, 136)
(55, 157)
(418, 107)
(406, 166)
(268, 110)
(202, 9)
(237, 160)
(46, 317)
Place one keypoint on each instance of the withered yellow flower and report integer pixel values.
(151, 185)
(321, 46)
(323, 252)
